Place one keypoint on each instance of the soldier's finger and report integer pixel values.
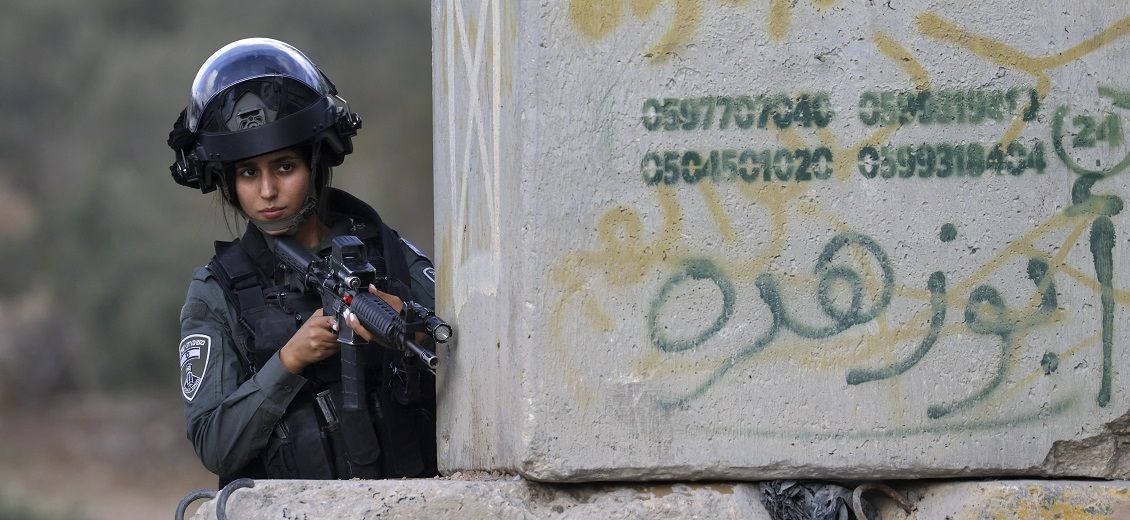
(355, 324)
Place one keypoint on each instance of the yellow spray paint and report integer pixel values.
(624, 256)
(934, 26)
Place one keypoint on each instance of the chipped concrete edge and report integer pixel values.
(1106, 455)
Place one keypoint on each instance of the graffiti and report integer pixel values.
(847, 314)
(738, 112)
(946, 106)
(767, 285)
(722, 166)
(937, 287)
(945, 160)
(803, 164)
(986, 312)
(1089, 131)
(1050, 363)
(597, 19)
(694, 269)
(1102, 246)
(934, 26)
(780, 16)
(948, 233)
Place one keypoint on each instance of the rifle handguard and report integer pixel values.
(379, 318)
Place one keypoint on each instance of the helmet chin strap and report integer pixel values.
(288, 225)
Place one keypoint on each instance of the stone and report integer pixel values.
(709, 240)
(515, 498)
(510, 499)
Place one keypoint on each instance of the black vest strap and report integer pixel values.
(242, 266)
(241, 287)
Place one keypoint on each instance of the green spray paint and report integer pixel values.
(829, 274)
(694, 269)
(986, 313)
(937, 286)
(945, 107)
(804, 110)
(1084, 202)
(1088, 133)
(1119, 98)
(730, 166)
(981, 296)
(1050, 362)
(950, 160)
(1102, 245)
(948, 232)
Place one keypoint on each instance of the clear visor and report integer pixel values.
(248, 59)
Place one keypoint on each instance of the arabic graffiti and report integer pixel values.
(852, 293)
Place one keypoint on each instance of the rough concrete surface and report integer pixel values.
(1019, 500)
(514, 498)
(735, 240)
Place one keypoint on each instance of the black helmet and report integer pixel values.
(255, 96)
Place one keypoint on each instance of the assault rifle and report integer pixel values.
(342, 279)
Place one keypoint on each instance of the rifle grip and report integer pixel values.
(352, 378)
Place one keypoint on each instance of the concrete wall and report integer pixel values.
(522, 500)
(739, 240)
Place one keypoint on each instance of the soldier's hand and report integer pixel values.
(315, 340)
(393, 301)
(355, 323)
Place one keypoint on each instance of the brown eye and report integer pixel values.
(245, 172)
(286, 167)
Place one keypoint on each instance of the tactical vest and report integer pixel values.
(317, 438)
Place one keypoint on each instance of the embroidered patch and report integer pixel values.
(430, 272)
(194, 350)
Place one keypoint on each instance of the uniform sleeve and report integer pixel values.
(422, 274)
(228, 419)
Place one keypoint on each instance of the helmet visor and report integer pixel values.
(248, 59)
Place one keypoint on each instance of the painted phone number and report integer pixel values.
(815, 164)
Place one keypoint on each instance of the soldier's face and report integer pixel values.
(272, 186)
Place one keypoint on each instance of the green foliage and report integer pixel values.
(94, 89)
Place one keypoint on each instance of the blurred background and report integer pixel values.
(97, 243)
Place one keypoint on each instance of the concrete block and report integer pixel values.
(1015, 500)
(514, 498)
(706, 239)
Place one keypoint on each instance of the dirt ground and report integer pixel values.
(99, 457)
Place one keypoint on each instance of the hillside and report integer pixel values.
(97, 241)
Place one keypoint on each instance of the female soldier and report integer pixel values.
(260, 364)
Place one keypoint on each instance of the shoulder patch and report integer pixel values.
(194, 352)
(430, 273)
(415, 249)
